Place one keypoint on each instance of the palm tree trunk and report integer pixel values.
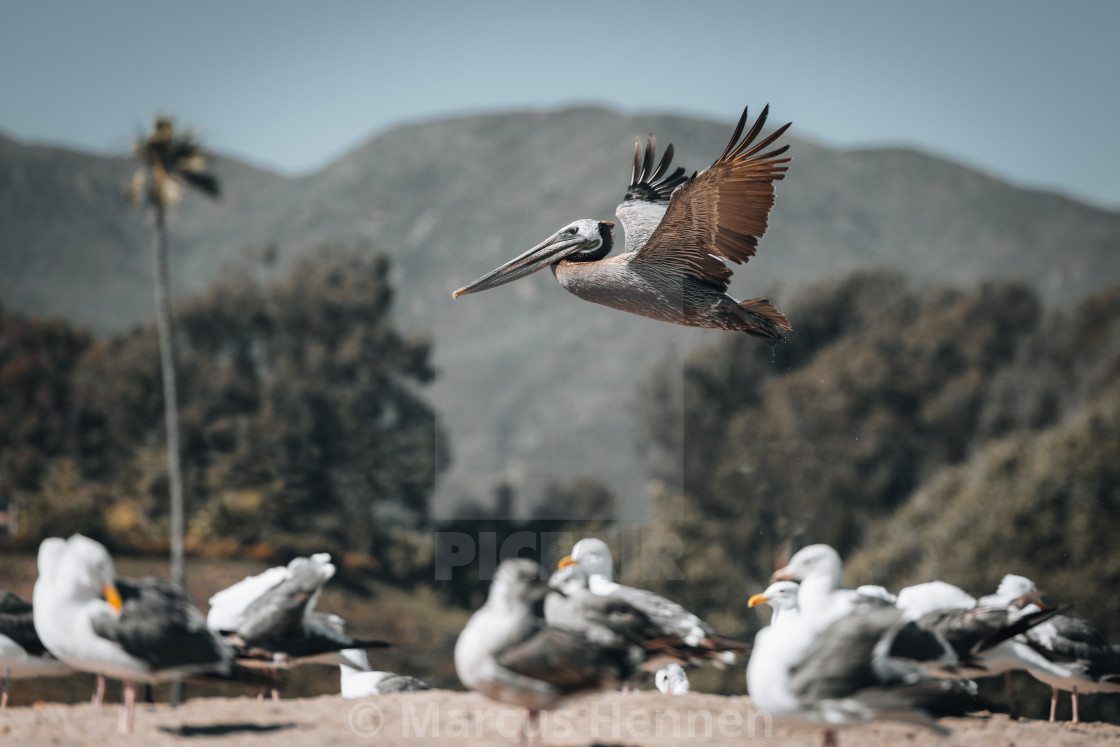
(170, 397)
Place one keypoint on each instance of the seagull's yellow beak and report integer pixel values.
(566, 561)
(756, 600)
(112, 596)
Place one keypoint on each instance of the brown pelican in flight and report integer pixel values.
(680, 232)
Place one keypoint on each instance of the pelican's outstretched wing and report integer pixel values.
(720, 212)
(648, 194)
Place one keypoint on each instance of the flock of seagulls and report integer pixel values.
(85, 618)
(833, 656)
(830, 657)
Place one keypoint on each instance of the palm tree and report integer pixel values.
(169, 159)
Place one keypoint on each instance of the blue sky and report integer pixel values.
(1024, 90)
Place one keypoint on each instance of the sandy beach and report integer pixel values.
(445, 717)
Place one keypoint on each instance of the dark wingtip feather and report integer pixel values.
(637, 161)
(651, 154)
(665, 161)
(735, 135)
(648, 183)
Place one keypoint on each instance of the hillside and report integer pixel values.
(532, 382)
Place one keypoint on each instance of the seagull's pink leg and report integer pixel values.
(1053, 702)
(1073, 700)
(99, 691)
(128, 714)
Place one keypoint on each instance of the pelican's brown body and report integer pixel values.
(648, 292)
(680, 233)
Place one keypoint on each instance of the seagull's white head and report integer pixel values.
(86, 570)
(781, 595)
(1013, 587)
(50, 550)
(593, 554)
(812, 561)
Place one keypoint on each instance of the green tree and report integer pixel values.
(170, 160)
(303, 424)
(40, 438)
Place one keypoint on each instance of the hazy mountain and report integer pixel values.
(534, 383)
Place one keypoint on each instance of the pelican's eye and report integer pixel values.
(573, 230)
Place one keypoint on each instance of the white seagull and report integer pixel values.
(145, 631)
(511, 655)
(848, 657)
(782, 598)
(1075, 655)
(272, 621)
(821, 598)
(659, 626)
(671, 679)
(697, 640)
(358, 683)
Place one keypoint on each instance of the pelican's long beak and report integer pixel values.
(112, 596)
(756, 600)
(566, 561)
(553, 249)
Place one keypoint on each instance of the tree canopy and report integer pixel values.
(304, 424)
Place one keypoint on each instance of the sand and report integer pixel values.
(443, 717)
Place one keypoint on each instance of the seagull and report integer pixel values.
(145, 631)
(833, 657)
(671, 679)
(357, 682)
(697, 639)
(681, 233)
(228, 605)
(782, 598)
(511, 655)
(615, 621)
(986, 635)
(820, 597)
(272, 621)
(1078, 656)
(865, 665)
(22, 654)
(982, 636)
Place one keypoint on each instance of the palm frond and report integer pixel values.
(181, 158)
(204, 182)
